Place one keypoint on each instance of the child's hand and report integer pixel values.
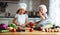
(40, 13)
(17, 24)
(23, 25)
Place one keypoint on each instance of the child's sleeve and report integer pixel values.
(16, 16)
(26, 16)
(45, 15)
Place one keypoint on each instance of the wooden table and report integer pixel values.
(31, 33)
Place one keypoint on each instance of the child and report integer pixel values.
(42, 13)
(21, 19)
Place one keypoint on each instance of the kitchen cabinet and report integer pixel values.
(9, 20)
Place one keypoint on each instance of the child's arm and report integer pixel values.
(26, 21)
(15, 22)
(41, 15)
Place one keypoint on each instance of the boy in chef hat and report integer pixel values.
(43, 15)
(43, 7)
(21, 19)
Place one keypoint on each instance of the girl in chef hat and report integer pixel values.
(44, 17)
(21, 19)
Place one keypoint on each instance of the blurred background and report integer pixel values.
(8, 9)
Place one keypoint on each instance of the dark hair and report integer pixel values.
(19, 10)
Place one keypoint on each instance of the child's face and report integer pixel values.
(41, 10)
(21, 11)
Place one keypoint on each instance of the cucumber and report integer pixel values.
(3, 31)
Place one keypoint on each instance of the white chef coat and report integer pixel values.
(21, 18)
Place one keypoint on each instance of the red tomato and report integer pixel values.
(40, 28)
(31, 24)
(13, 30)
(31, 29)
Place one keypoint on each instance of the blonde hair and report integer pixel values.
(43, 7)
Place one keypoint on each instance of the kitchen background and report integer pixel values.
(8, 9)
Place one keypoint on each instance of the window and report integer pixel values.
(54, 11)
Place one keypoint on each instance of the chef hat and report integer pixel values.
(22, 6)
(43, 7)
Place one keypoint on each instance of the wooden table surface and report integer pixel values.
(30, 33)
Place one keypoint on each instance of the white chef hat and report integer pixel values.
(44, 7)
(22, 6)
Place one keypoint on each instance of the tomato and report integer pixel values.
(31, 29)
(31, 24)
(13, 30)
(40, 28)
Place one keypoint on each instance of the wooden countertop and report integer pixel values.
(31, 33)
